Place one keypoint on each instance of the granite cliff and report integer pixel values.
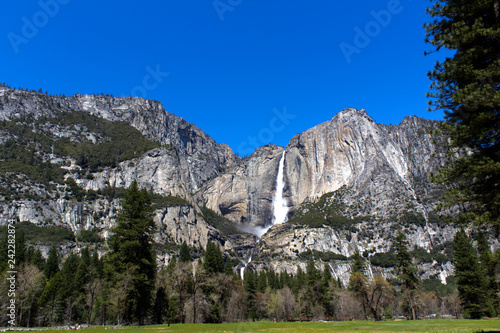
(350, 183)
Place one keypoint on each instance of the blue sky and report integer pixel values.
(248, 72)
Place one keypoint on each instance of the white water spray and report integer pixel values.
(280, 207)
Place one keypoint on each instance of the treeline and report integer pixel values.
(124, 286)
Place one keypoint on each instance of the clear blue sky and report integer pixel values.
(230, 63)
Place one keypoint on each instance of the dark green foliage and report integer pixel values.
(213, 262)
(313, 275)
(50, 299)
(88, 236)
(4, 251)
(221, 223)
(52, 265)
(160, 306)
(261, 282)
(20, 247)
(250, 285)
(422, 255)
(112, 192)
(78, 192)
(323, 256)
(132, 254)
(161, 201)
(34, 234)
(412, 219)
(327, 210)
(358, 278)
(470, 278)
(441, 290)
(358, 264)
(465, 86)
(489, 268)
(437, 219)
(35, 257)
(121, 141)
(406, 272)
(185, 253)
(441, 253)
(17, 154)
(385, 259)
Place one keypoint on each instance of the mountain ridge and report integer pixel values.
(342, 177)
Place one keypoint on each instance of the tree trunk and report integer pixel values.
(194, 306)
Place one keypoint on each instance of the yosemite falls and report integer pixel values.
(280, 207)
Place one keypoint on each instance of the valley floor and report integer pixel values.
(435, 325)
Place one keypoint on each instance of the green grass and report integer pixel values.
(435, 325)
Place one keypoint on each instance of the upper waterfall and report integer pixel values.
(280, 206)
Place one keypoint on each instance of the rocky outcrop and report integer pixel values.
(384, 166)
(245, 192)
(384, 169)
(201, 158)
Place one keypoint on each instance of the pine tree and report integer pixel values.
(214, 262)
(465, 86)
(52, 264)
(70, 286)
(358, 272)
(160, 306)
(488, 266)
(4, 251)
(185, 253)
(262, 282)
(312, 274)
(132, 256)
(250, 285)
(470, 279)
(407, 273)
(325, 289)
(20, 247)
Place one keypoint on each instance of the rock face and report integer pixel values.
(201, 158)
(371, 175)
(385, 169)
(244, 194)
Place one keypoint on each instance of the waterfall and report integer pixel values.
(280, 207)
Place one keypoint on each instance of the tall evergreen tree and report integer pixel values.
(470, 278)
(325, 289)
(250, 284)
(261, 281)
(160, 306)
(407, 273)
(214, 261)
(52, 264)
(20, 247)
(488, 266)
(185, 253)
(132, 256)
(465, 86)
(313, 275)
(4, 251)
(358, 272)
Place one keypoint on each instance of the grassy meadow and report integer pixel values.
(436, 325)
